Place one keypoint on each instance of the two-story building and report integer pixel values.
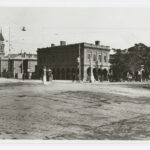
(66, 60)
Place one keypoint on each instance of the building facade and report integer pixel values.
(79, 59)
(18, 65)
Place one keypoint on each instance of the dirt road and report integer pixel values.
(31, 110)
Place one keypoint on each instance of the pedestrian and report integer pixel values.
(73, 76)
(140, 75)
(49, 75)
(23, 76)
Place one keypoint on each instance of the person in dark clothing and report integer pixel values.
(73, 76)
(49, 76)
(105, 75)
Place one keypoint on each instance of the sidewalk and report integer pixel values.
(10, 80)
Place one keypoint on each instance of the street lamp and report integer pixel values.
(23, 29)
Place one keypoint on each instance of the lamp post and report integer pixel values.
(23, 29)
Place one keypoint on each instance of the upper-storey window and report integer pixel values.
(105, 58)
(89, 57)
(100, 58)
(94, 57)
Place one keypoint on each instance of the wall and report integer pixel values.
(98, 62)
(3, 67)
(62, 60)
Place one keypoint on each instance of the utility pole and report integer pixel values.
(96, 63)
(24, 54)
(79, 63)
(9, 39)
(9, 53)
(22, 67)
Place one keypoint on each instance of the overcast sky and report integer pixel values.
(117, 27)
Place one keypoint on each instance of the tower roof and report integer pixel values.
(1, 37)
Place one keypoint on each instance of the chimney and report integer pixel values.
(97, 43)
(52, 45)
(62, 43)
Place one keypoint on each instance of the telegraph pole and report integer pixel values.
(79, 63)
(9, 53)
(24, 54)
(96, 63)
(22, 66)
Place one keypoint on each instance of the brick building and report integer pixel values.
(67, 60)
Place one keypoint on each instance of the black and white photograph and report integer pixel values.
(75, 72)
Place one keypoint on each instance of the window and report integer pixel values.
(105, 58)
(89, 56)
(100, 58)
(94, 57)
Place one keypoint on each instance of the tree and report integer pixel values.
(118, 64)
(130, 60)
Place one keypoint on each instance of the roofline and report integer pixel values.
(85, 44)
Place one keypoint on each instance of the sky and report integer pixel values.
(117, 27)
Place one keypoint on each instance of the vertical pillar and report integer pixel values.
(91, 65)
(44, 75)
(85, 73)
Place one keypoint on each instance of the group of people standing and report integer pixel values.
(110, 75)
(141, 75)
